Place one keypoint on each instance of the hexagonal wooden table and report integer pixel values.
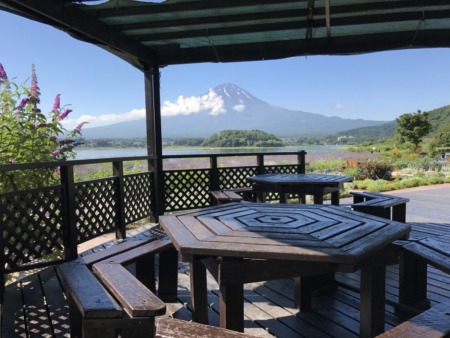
(247, 242)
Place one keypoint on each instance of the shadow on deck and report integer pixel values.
(35, 306)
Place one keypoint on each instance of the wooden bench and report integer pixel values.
(386, 206)
(141, 254)
(433, 323)
(415, 256)
(93, 312)
(109, 301)
(232, 195)
(225, 196)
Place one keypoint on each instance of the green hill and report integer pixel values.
(242, 138)
(439, 119)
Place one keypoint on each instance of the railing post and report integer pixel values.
(260, 170)
(301, 162)
(68, 212)
(118, 174)
(214, 183)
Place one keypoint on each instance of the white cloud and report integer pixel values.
(210, 102)
(339, 106)
(239, 107)
(101, 120)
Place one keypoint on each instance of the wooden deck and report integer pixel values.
(35, 306)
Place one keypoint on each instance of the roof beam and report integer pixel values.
(85, 27)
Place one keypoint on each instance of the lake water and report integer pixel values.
(94, 153)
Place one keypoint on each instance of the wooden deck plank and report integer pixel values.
(36, 315)
(56, 303)
(13, 319)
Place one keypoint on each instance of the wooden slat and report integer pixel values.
(136, 299)
(132, 255)
(91, 297)
(110, 251)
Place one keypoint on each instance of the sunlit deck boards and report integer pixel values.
(35, 307)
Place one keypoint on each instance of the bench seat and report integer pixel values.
(433, 323)
(225, 196)
(382, 205)
(141, 253)
(416, 255)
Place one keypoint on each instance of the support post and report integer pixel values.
(118, 174)
(154, 137)
(68, 215)
(301, 162)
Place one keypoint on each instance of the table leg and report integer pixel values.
(232, 306)
(259, 196)
(372, 303)
(335, 198)
(168, 275)
(318, 198)
(303, 292)
(199, 292)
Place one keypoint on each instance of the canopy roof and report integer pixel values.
(193, 31)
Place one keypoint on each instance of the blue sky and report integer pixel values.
(103, 89)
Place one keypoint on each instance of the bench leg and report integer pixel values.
(139, 328)
(75, 318)
(399, 213)
(412, 284)
(372, 300)
(168, 275)
(199, 292)
(145, 272)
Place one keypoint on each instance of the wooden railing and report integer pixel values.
(44, 225)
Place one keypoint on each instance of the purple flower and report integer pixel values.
(34, 89)
(58, 170)
(56, 103)
(47, 214)
(11, 159)
(3, 76)
(21, 105)
(78, 128)
(63, 115)
(57, 152)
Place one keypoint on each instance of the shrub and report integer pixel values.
(27, 135)
(376, 170)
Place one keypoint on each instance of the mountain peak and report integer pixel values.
(236, 97)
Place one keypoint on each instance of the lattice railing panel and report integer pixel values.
(280, 169)
(235, 177)
(32, 227)
(138, 196)
(187, 189)
(96, 210)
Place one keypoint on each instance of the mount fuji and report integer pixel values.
(228, 106)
